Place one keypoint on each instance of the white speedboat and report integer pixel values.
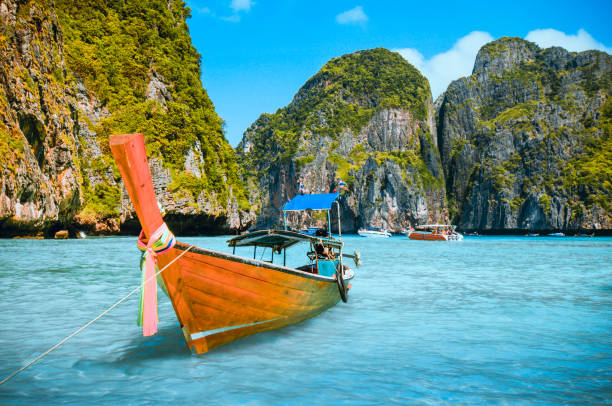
(374, 232)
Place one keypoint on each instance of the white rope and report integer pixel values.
(93, 320)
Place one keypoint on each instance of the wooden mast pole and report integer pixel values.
(131, 157)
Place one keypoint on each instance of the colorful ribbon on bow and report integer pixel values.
(161, 240)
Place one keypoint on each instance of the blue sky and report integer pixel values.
(256, 54)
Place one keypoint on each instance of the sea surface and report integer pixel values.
(489, 320)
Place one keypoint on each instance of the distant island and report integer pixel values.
(522, 144)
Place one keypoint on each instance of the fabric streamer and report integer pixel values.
(161, 241)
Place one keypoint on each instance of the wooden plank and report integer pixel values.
(270, 275)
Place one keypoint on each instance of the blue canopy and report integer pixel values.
(321, 201)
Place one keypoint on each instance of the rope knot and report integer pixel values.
(161, 241)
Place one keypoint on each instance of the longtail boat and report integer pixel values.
(434, 232)
(220, 297)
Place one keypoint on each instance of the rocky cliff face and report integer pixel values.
(40, 181)
(73, 73)
(366, 119)
(521, 144)
(525, 140)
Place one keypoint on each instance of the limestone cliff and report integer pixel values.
(75, 72)
(365, 118)
(525, 140)
(41, 176)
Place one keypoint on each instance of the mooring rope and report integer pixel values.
(141, 286)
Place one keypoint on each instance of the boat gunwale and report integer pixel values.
(254, 262)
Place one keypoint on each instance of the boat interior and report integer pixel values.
(322, 255)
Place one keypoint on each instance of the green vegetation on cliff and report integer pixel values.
(117, 49)
(590, 173)
(540, 121)
(364, 118)
(18, 85)
(343, 95)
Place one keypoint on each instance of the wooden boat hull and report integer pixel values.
(427, 236)
(219, 297)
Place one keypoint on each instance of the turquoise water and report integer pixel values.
(509, 320)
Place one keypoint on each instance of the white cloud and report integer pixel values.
(582, 41)
(238, 6)
(352, 16)
(241, 5)
(443, 68)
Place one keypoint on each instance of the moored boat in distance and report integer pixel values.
(556, 235)
(220, 297)
(435, 232)
(310, 230)
(374, 232)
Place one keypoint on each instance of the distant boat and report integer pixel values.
(374, 232)
(313, 231)
(474, 234)
(532, 235)
(584, 235)
(435, 232)
(556, 235)
(220, 297)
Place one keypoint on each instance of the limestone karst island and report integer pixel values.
(520, 145)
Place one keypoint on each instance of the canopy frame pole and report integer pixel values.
(316, 256)
(339, 225)
(340, 238)
(311, 249)
(329, 223)
(341, 263)
(285, 219)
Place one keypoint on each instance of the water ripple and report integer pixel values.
(489, 320)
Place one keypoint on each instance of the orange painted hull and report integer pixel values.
(427, 236)
(219, 298)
